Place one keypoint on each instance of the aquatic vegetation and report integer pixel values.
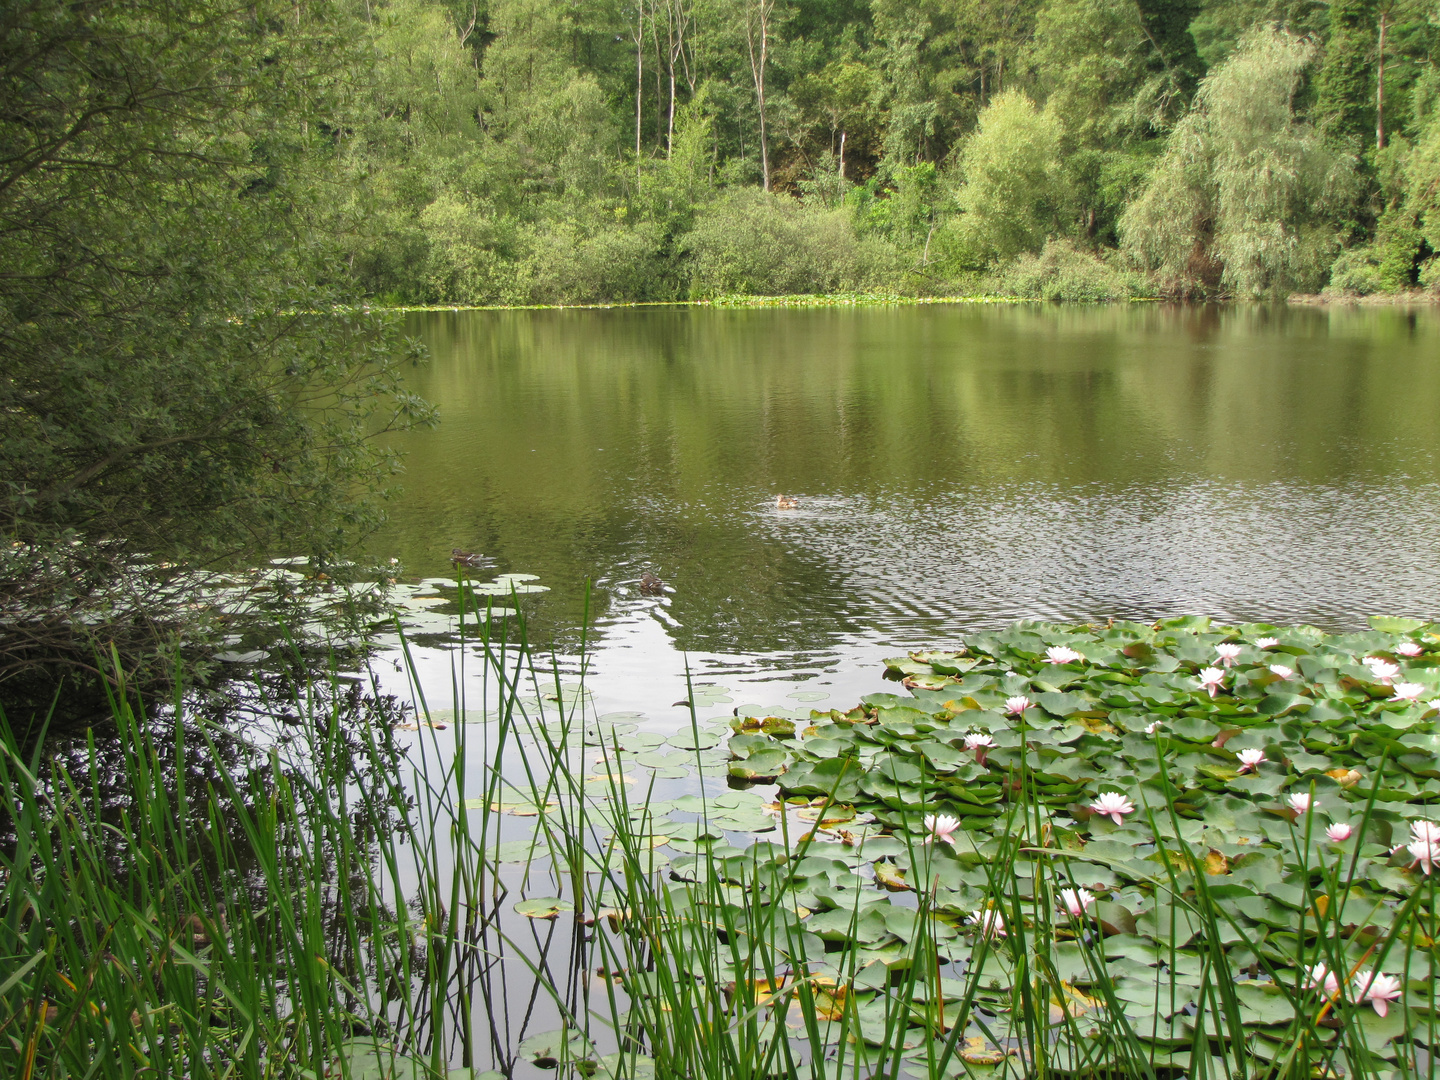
(930, 883)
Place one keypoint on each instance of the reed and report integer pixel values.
(182, 907)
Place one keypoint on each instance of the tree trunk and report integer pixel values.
(842, 155)
(639, 81)
(757, 20)
(1380, 85)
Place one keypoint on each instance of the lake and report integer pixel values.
(957, 466)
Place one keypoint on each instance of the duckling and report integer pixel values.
(786, 502)
(650, 585)
(469, 558)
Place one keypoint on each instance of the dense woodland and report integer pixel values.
(532, 151)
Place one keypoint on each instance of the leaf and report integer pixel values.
(543, 907)
(1387, 624)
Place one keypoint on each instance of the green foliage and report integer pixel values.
(1345, 94)
(1011, 193)
(172, 373)
(1244, 193)
(1064, 271)
(754, 242)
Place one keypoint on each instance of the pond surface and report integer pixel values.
(956, 466)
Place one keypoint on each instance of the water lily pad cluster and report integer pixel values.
(1195, 836)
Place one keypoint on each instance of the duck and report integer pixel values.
(786, 502)
(650, 585)
(469, 558)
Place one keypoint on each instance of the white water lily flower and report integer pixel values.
(1382, 669)
(1426, 854)
(1152, 727)
(1062, 654)
(1114, 805)
(1339, 832)
(1266, 642)
(1427, 832)
(1076, 901)
(1283, 671)
(1433, 703)
(990, 922)
(1250, 759)
(1212, 679)
(1017, 704)
(1378, 990)
(1320, 977)
(942, 827)
(1300, 802)
(1227, 653)
(1407, 691)
(1409, 648)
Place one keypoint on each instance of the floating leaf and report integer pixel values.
(543, 907)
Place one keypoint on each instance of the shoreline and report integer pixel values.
(1414, 298)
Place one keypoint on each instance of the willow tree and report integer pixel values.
(175, 379)
(172, 374)
(1244, 195)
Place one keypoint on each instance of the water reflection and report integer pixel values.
(957, 465)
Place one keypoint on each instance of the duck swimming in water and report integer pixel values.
(650, 585)
(469, 558)
(786, 502)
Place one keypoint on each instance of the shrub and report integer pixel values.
(759, 243)
(1355, 271)
(1065, 271)
(567, 265)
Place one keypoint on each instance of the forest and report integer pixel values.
(537, 152)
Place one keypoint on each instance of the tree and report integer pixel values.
(1245, 192)
(173, 375)
(1012, 185)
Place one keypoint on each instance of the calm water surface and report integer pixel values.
(957, 466)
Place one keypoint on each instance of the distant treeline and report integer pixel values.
(534, 151)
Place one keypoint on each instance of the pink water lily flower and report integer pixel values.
(1379, 990)
(1425, 853)
(1227, 653)
(1250, 759)
(990, 922)
(1212, 679)
(1338, 832)
(1409, 648)
(1017, 704)
(1283, 671)
(1320, 977)
(1113, 805)
(1062, 654)
(980, 743)
(1076, 901)
(1300, 802)
(1382, 669)
(942, 827)
(1266, 642)
(1406, 691)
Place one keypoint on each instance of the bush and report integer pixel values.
(1355, 272)
(1064, 271)
(757, 243)
(567, 265)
